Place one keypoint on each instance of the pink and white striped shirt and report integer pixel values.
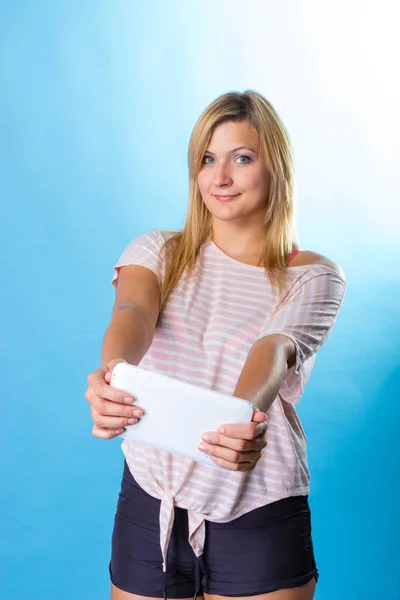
(204, 335)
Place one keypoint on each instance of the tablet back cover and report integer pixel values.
(176, 413)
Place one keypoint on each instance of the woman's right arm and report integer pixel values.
(127, 338)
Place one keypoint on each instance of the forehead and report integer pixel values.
(232, 134)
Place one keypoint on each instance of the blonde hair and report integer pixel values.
(280, 232)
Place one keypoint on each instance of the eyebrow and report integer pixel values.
(235, 150)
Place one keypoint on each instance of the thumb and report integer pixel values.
(113, 362)
(259, 416)
(110, 366)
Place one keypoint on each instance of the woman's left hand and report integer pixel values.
(237, 447)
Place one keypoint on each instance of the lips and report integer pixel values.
(225, 198)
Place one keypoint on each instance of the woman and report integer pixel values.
(229, 303)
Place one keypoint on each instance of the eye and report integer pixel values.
(205, 160)
(247, 159)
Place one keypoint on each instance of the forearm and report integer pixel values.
(128, 336)
(265, 370)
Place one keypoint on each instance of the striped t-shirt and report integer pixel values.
(203, 336)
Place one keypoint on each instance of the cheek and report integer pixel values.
(257, 183)
(250, 182)
(202, 182)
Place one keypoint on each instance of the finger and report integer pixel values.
(226, 464)
(232, 456)
(101, 388)
(243, 431)
(229, 454)
(240, 445)
(113, 409)
(112, 422)
(105, 434)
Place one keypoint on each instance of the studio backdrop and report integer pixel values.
(98, 100)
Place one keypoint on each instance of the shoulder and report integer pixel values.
(161, 235)
(166, 234)
(155, 238)
(309, 258)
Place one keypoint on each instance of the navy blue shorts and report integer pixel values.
(267, 549)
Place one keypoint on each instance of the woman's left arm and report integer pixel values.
(239, 447)
(290, 336)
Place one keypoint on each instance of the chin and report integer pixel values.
(222, 212)
(227, 217)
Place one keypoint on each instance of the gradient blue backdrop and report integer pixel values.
(97, 103)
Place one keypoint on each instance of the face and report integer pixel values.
(233, 181)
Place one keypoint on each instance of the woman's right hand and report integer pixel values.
(112, 410)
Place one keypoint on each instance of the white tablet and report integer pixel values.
(176, 414)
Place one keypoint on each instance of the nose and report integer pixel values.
(222, 176)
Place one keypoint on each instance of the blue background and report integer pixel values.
(97, 103)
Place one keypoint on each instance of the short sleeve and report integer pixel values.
(144, 251)
(306, 315)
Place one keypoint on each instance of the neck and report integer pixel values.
(240, 242)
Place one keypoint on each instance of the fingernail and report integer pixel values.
(131, 421)
(221, 430)
(202, 447)
(206, 438)
(128, 400)
(119, 431)
(137, 413)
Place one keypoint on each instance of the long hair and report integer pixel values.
(183, 247)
